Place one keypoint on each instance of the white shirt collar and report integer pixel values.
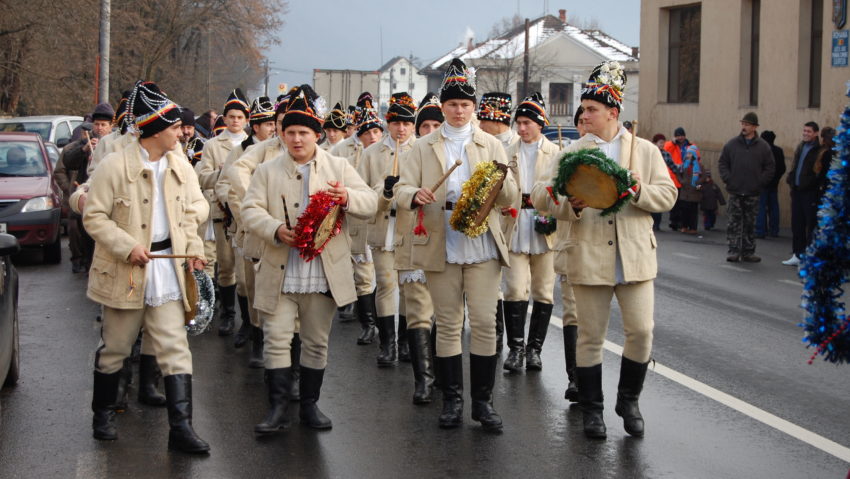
(600, 141)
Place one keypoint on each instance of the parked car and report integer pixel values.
(10, 350)
(52, 152)
(56, 129)
(568, 134)
(30, 201)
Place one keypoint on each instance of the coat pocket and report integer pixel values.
(102, 276)
(121, 210)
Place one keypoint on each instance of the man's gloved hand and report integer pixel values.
(389, 183)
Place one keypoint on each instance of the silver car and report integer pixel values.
(9, 336)
(56, 129)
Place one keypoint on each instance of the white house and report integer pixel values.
(397, 75)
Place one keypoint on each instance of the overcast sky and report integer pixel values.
(346, 34)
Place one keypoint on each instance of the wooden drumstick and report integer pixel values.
(446, 175)
(161, 256)
(285, 213)
(395, 159)
(88, 140)
(489, 202)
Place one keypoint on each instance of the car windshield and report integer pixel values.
(40, 127)
(19, 158)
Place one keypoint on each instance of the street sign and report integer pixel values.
(839, 48)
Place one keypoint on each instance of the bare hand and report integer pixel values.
(197, 264)
(338, 192)
(577, 203)
(636, 177)
(285, 235)
(81, 202)
(139, 256)
(424, 197)
(93, 142)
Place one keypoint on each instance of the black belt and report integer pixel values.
(218, 220)
(161, 245)
(392, 213)
(450, 205)
(525, 203)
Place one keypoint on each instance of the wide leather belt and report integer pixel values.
(161, 245)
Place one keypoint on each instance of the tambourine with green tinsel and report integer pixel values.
(588, 174)
(320, 221)
(470, 213)
(544, 224)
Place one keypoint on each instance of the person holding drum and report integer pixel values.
(459, 265)
(144, 200)
(609, 252)
(305, 270)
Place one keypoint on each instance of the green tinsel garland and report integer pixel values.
(568, 163)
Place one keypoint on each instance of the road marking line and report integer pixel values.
(685, 255)
(735, 268)
(826, 445)
(791, 282)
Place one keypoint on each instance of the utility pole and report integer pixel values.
(266, 89)
(103, 46)
(525, 65)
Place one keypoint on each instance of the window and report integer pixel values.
(815, 54)
(533, 86)
(560, 99)
(684, 55)
(402, 71)
(754, 51)
(63, 132)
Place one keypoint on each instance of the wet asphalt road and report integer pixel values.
(731, 327)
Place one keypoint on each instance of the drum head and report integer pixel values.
(326, 228)
(590, 184)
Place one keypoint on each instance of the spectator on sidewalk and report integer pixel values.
(806, 178)
(767, 221)
(659, 139)
(690, 195)
(746, 166)
(677, 149)
(711, 197)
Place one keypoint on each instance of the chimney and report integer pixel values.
(469, 45)
(562, 14)
(635, 52)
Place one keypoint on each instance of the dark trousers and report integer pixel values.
(804, 218)
(656, 221)
(709, 218)
(767, 221)
(676, 215)
(86, 244)
(75, 237)
(689, 214)
(740, 232)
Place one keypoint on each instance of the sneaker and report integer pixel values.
(751, 258)
(792, 261)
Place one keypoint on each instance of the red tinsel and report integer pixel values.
(514, 212)
(318, 207)
(420, 230)
(552, 195)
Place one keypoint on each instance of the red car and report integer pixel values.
(30, 201)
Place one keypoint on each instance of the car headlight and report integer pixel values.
(39, 203)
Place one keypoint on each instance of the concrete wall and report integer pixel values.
(724, 69)
(344, 86)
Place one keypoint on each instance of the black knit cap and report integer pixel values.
(495, 106)
(366, 117)
(103, 111)
(304, 108)
(219, 125)
(187, 116)
(237, 101)
(151, 110)
(402, 108)
(429, 109)
(578, 114)
(336, 119)
(533, 108)
(458, 82)
(121, 120)
(262, 110)
(282, 100)
(606, 85)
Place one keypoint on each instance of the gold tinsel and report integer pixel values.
(473, 195)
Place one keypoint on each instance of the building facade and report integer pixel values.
(705, 64)
(397, 75)
(344, 86)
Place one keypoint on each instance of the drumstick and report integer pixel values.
(446, 175)
(88, 140)
(162, 256)
(395, 159)
(285, 212)
(560, 143)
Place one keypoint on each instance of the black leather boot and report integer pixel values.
(181, 436)
(388, 353)
(401, 337)
(367, 315)
(590, 400)
(104, 394)
(537, 329)
(125, 379)
(500, 327)
(148, 379)
(434, 353)
(632, 374)
(515, 312)
(451, 378)
(256, 359)
(422, 361)
(278, 382)
(295, 359)
(311, 385)
(244, 333)
(570, 335)
(346, 313)
(482, 377)
(227, 314)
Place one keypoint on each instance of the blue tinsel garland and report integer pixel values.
(826, 265)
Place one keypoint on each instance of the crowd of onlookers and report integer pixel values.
(751, 167)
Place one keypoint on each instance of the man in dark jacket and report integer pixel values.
(805, 181)
(767, 221)
(746, 166)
